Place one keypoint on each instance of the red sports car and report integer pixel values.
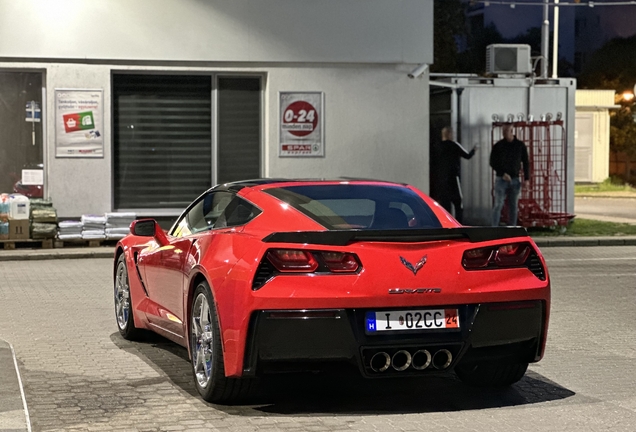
(273, 275)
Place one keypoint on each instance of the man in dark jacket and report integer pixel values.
(507, 157)
(447, 166)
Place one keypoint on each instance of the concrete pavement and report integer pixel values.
(80, 375)
(606, 208)
(13, 415)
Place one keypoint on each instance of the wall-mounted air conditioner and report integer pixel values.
(508, 59)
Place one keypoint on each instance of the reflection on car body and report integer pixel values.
(265, 276)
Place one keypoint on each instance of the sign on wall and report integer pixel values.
(301, 124)
(79, 123)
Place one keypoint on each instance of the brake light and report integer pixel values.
(512, 255)
(289, 260)
(509, 255)
(477, 258)
(339, 262)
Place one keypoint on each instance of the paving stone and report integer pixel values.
(79, 374)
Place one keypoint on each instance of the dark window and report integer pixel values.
(20, 140)
(238, 212)
(342, 207)
(204, 215)
(215, 210)
(239, 129)
(162, 140)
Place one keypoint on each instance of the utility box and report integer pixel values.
(473, 106)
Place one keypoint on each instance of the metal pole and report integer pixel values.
(555, 41)
(545, 38)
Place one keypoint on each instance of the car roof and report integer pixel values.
(264, 183)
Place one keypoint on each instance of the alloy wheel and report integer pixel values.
(122, 296)
(202, 340)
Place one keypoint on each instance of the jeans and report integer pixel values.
(512, 190)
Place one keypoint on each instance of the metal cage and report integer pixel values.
(544, 202)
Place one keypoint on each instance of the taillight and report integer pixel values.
(289, 260)
(286, 261)
(477, 258)
(509, 255)
(339, 262)
(512, 255)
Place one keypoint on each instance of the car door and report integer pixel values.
(165, 267)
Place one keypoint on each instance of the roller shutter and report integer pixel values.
(239, 128)
(162, 135)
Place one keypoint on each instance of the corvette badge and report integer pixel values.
(414, 268)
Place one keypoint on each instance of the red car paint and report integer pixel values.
(162, 277)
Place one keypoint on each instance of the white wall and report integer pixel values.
(376, 126)
(379, 31)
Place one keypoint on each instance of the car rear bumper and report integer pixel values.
(287, 339)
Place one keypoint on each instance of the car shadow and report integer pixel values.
(348, 393)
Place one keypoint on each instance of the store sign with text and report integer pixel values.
(301, 123)
(79, 123)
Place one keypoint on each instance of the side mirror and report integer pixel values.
(143, 227)
(149, 228)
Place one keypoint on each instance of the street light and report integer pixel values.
(627, 96)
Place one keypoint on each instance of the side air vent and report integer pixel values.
(534, 265)
(264, 273)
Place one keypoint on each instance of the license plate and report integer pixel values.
(425, 319)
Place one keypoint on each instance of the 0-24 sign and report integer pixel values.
(301, 124)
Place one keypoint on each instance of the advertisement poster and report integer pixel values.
(301, 124)
(79, 123)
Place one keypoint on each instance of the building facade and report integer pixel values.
(163, 99)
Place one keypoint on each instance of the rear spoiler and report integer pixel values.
(345, 237)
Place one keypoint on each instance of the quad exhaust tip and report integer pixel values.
(380, 362)
(421, 360)
(442, 359)
(403, 359)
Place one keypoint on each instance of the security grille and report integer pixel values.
(162, 140)
(239, 128)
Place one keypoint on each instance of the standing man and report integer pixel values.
(507, 157)
(448, 167)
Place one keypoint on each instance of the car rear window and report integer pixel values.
(345, 207)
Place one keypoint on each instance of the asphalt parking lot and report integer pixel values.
(79, 374)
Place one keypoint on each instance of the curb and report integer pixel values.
(584, 241)
(31, 255)
(606, 196)
(109, 252)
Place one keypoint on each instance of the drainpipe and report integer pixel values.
(458, 124)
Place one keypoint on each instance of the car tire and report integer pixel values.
(208, 368)
(124, 314)
(491, 374)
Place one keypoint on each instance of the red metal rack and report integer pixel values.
(544, 202)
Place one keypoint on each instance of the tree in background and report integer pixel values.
(449, 25)
(623, 136)
(613, 67)
(473, 59)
